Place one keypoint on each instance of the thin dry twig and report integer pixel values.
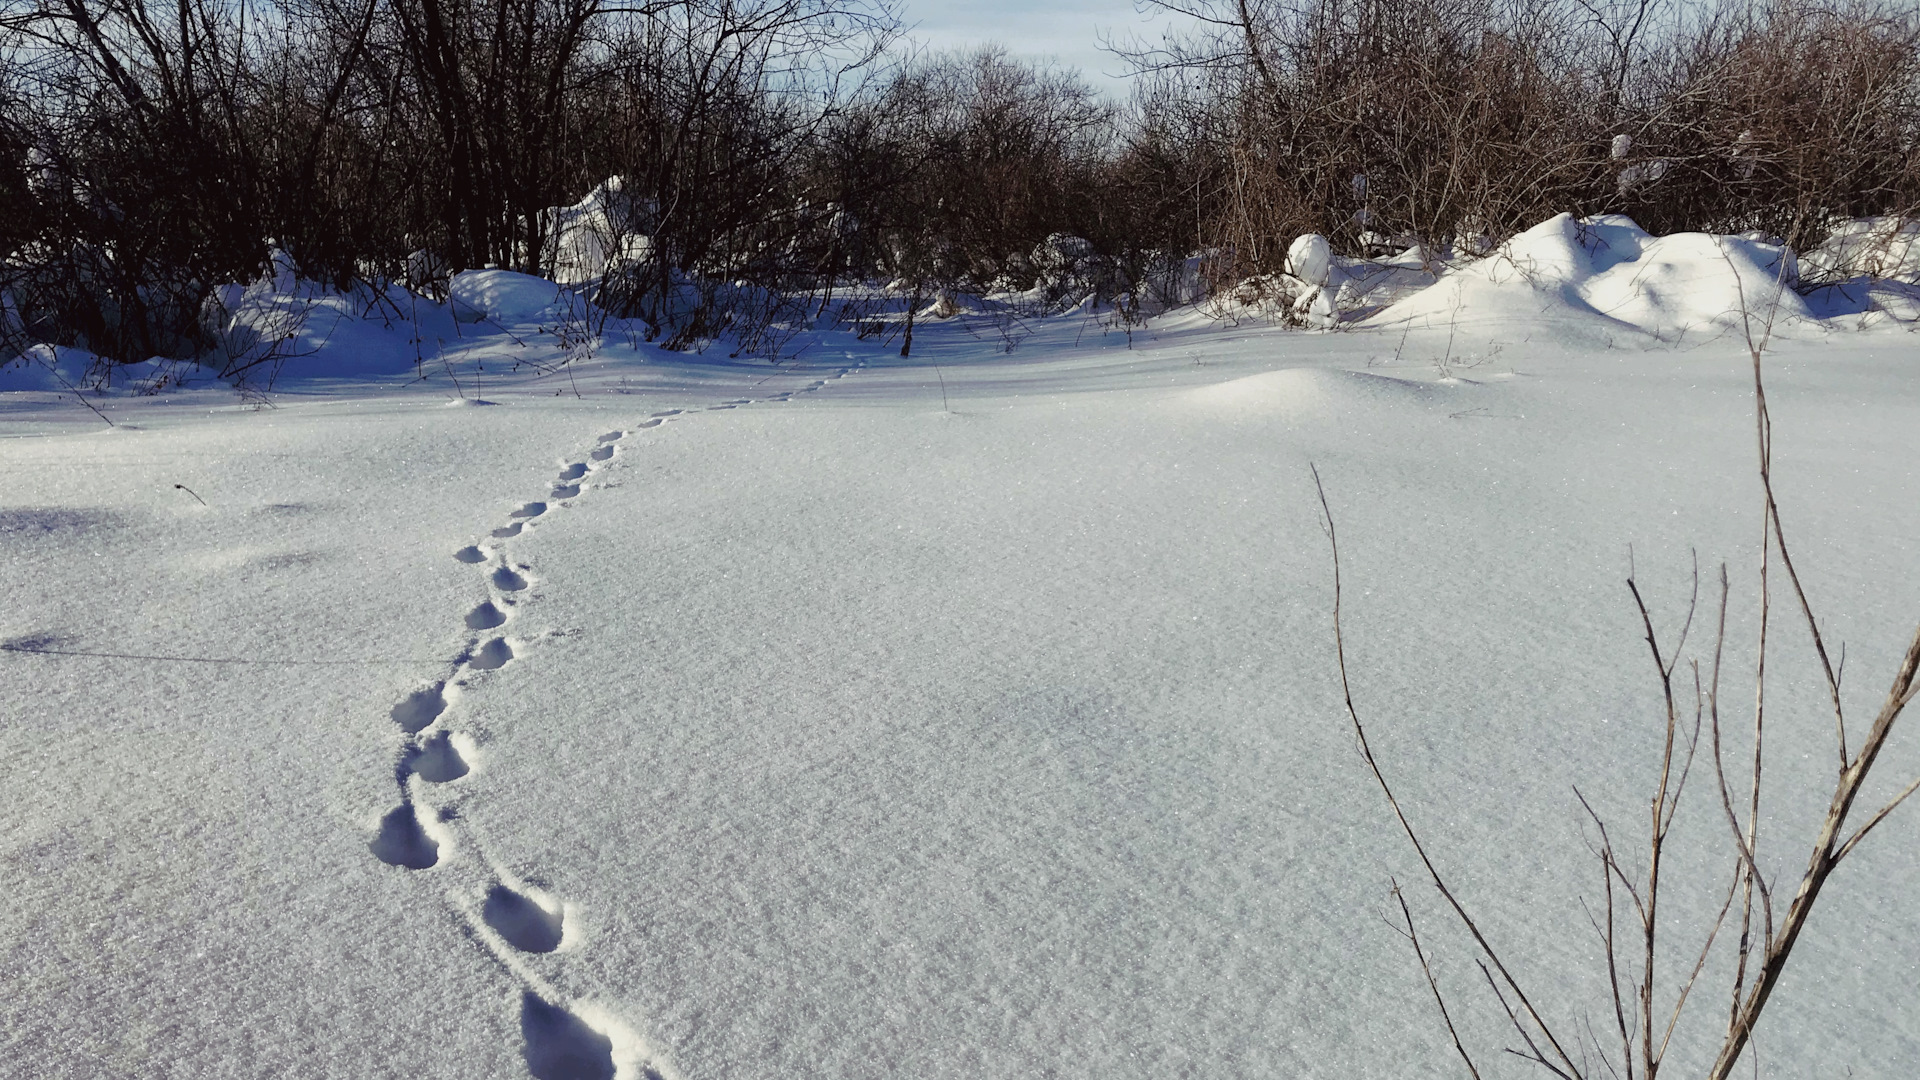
(1433, 873)
(1413, 936)
(1829, 849)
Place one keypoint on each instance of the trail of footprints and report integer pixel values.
(511, 917)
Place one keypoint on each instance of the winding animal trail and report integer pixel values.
(564, 1036)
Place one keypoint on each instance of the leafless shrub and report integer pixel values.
(1452, 124)
(1784, 118)
(1636, 942)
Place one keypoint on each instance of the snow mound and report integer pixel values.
(48, 368)
(60, 369)
(1310, 259)
(507, 297)
(1287, 390)
(1608, 271)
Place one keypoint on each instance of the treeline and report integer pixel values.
(790, 148)
(1459, 122)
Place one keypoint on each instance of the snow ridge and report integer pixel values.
(565, 1038)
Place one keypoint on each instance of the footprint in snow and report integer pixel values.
(470, 554)
(402, 841)
(530, 510)
(602, 454)
(420, 708)
(573, 472)
(565, 491)
(494, 654)
(506, 531)
(668, 412)
(438, 760)
(525, 922)
(506, 580)
(651, 423)
(485, 617)
(560, 1045)
(612, 436)
(717, 408)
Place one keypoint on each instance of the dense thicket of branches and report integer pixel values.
(1462, 121)
(153, 149)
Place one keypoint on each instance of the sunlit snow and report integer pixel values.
(973, 714)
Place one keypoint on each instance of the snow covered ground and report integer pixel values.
(973, 714)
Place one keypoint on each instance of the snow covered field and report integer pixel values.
(968, 715)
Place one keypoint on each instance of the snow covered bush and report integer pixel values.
(1310, 258)
(605, 231)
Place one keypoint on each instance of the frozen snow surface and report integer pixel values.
(975, 714)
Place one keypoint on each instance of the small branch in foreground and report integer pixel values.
(1433, 874)
(1414, 937)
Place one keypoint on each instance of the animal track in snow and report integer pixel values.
(560, 1045)
(485, 617)
(523, 920)
(438, 760)
(560, 1042)
(420, 708)
(402, 841)
(491, 656)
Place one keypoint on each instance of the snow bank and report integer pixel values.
(1292, 389)
(49, 368)
(1594, 278)
(1882, 247)
(1608, 272)
(507, 297)
(59, 369)
(1589, 280)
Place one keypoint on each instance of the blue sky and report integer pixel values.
(1065, 30)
